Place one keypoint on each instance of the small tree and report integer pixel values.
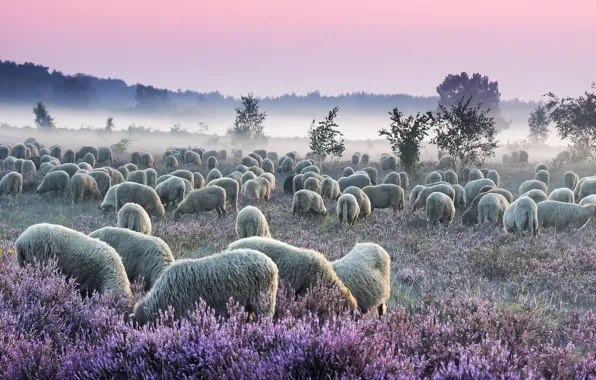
(249, 121)
(466, 132)
(43, 119)
(406, 135)
(538, 124)
(110, 124)
(325, 139)
(121, 146)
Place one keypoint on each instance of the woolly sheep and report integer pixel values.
(465, 174)
(536, 195)
(249, 161)
(18, 151)
(11, 184)
(181, 153)
(286, 166)
(439, 209)
(576, 191)
(348, 171)
(587, 187)
(389, 163)
(474, 186)
(135, 218)
(256, 170)
(347, 209)
(83, 186)
(299, 268)
(494, 176)
(33, 150)
(248, 176)
(261, 152)
(249, 277)
(109, 201)
(312, 184)
(142, 255)
(4, 151)
(171, 191)
(362, 199)
(142, 195)
(355, 159)
(539, 167)
(297, 182)
(470, 216)
(256, 157)
(28, 168)
(171, 163)
(307, 201)
(491, 208)
(564, 216)
(268, 166)
(190, 157)
(542, 175)
(56, 151)
(590, 199)
(250, 221)
(210, 153)
(385, 196)
(414, 194)
(138, 176)
(131, 167)
(484, 172)
(521, 216)
(460, 197)
(71, 169)
(562, 195)
(207, 199)
(570, 179)
(237, 153)
(147, 161)
(55, 181)
(95, 265)
(269, 177)
(301, 165)
(212, 163)
(83, 171)
(232, 190)
(151, 177)
(104, 156)
(330, 189)
(426, 191)
(45, 168)
(365, 159)
(123, 170)
(213, 174)
(69, 156)
(475, 174)
(373, 174)
(446, 162)
(84, 165)
(532, 184)
(293, 155)
(258, 188)
(392, 178)
(84, 150)
(9, 163)
(289, 184)
(273, 156)
(433, 177)
(115, 175)
(236, 176)
(451, 177)
(357, 179)
(404, 180)
(186, 174)
(89, 159)
(311, 168)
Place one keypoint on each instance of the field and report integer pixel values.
(469, 302)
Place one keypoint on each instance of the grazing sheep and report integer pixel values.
(151, 177)
(171, 163)
(570, 179)
(138, 176)
(521, 216)
(17, 164)
(69, 157)
(414, 194)
(147, 161)
(446, 162)
(494, 176)
(250, 221)
(247, 276)
(536, 195)
(460, 197)
(392, 178)
(11, 184)
(301, 165)
(389, 163)
(142, 195)
(299, 268)
(404, 180)
(470, 216)
(587, 186)
(131, 167)
(190, 157)
(9, 163)
(181, 153)
(385, 196)
(56, 151)
(362, 199)
(83, 186)
(45, 168)
(213, 174)
(258, 188)
(356, 179)
(348, 171)
(123, 170)
(307, 201)
(256, 170)
(297, 182)
(311, 168)
(210, 153)
(465, 174)
(212, 163)
(289, 184)
(433, 177)
(474, 186)
(542, 175)
(237, 153)
(55, 181)
(256, 157)
(115, 175)
(28, 168)
(89, 159)
(261, 152)
(268, 166)
(109, 201)
(523, 158)
(232, 190)
(83, 171)
(4, 151)
(171, 191)
(484, 172)
(273, 156)
(439, 209)
(590, 199)
(249, 161)
(373, 174)
(347, 209)
(48, 158)
(286, 166)
(19, 151)
(365, 159)
(562, 195)
(84, 165)
(564, 216)
(80, 155)
(532, 184)
(135, 218)
(356, 159)
(293, 155)
(95, 265)
(451, 177)
(33, 150)
(426, 191)
(577, 189)
(269, 177)
(142, 255)
(539, 167)
(491, 208)
(69, 168)
(207, 199)
(330, 189)
(104, 156)
(475, 174)
(312, 184)
(186, 174)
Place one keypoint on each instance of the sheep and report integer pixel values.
(69, 168)
(68, 157)
(236, 176)
(18, 151)
(9, 163)
(190, 157)
(439, 209)
(301, 165)
(147, 161)
(357, 179)
(258, 188)
(446, 162)
(542, 175)
(330, 189)
(389, 163)
(4, 151)
(474, 186)
(48, 158)
(135, 218)
(433, 177)
(89, 159)
(55, 181)
(261, 152)
(414, 194)
(212, 163)
(237, 153)
(45, 168)
(103, 180)
(532, 184)
(562, 195)
(151, 176)
(347, 209)
(286, 166)
(142, 255)
(297, 182)
(299, 268)
(232, 190)
(373, 174)
(523, 158)
(491, 208)
(93, 264)
(521, 216)
(273, 156)
(213, 174)
(289, 184)
(307, 201)
(536, 195)
(451, 177)
(11, 184)
(210, 153)
(109, 201)
(460, 197)
(28, 169)
(249, 161)
(385, 196)
(171, 163)
(131, 167)
(256, 170)
(465, 174)
(576, 190)
(247, 276)
(207, 199)
(269, 177)
(256, 157)
(364, 203)
(181, 153)
(392, 178)
(123, 170)
(138, 176)
(564, 216)
(104, 156)
(83, 171)
(248, 176)
(83, 186)
(426, 191)
(587, 186)
(171, 191)
(348, 171)
(115, 175)
(312, 184)
(570, 179)
(56, 151)
(250, 221)
(84, 165)
(311, 168)
(494, 176)
(484, 172)
(590, 199)
(17, 164)
(470, 216)
(84, 150)
(142, 195)
(475, 174)
(293, 155)
(186, 174)
(365, 159)
(539, 167)
(33, 150)
(268, 166)
(355, 159)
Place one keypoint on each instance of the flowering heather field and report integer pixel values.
(465, 303)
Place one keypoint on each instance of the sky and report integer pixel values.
(273, 47)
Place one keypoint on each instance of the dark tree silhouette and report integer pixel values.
(152, 99)
(538, 125)
(43, 119)
(325, 138)
(249, 123)
(110, 124)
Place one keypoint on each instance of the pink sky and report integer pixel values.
(278, 46)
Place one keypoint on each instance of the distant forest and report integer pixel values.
(28, 83)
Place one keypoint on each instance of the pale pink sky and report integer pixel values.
(277, 46)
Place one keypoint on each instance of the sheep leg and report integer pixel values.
(381, 309)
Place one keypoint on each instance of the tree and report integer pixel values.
(43, 119)
(480, 89)
(325, 139)
(406, 135)
(151, 99)
(538, 123)
(110, 124)
(575, 119)
(249, 121)
(466, 132)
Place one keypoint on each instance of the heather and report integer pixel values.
(466, 302)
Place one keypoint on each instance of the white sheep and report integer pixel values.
(362, 199)
(439, 209)
(385, 196)
(474, 187)
(475, 174)
(55, 181)
(268, 166)
(433, 177)
(269, 177)
(186, 174)
(258, 188)
(11, 183)
(103, 180)
(307, 201)
(347, 209)
(570, 179)
(491, 208)
(142, 195)
(564, 216)
(539, 167)
(357, 179)
(426, 191)
(191, 157)
(135, 218)
(392, 178)
(330, 189)
(542, 175)
(138, 176)
(460, 197)
(250, 221)
(69, 168)
(587, 186)
(536, 195)
(494, 176)
(171, 191)
(373, 174)
(83, 186)
(532, 184)
(109, 200)
(590, 199)
(562, 195)
(207, 199)
(312, 184)
(521, 216)
(232, 190)
(171, 163)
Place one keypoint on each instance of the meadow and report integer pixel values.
(466, 302)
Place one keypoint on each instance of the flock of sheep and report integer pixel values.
(249, 270)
